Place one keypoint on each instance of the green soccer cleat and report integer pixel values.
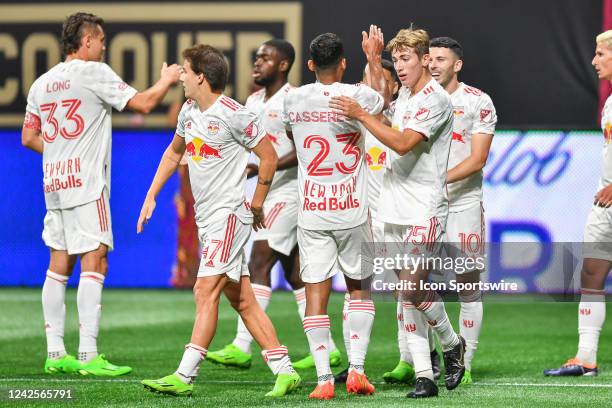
(403, 373)
(230, 355)
(170, 385)
(467, 378)
(335, 359)
(101, 367)
(285, 384)
(65, 365)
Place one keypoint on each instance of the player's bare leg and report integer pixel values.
(591, 317)
(317, 328)
(470, 320)
(238, 353)
(426, 307)
(54, 311)
(360, 317)
(241, 296)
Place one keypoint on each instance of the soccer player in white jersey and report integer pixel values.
(376, 160)
(473, 130)
(333, 217)
(413, 202)
(597, 250)
(68, 121)
(218, 133)
(278, 241)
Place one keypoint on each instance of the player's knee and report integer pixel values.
(259, 268)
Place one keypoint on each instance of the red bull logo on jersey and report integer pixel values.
(213, 127)
(376, 158)
(458, 110)
(406, 118)
(458, 137)
(197, 150)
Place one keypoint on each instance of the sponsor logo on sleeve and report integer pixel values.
(485, 115)
(251, 130)
(422, 114)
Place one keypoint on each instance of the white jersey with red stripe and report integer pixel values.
(606, 127)
(219, 140)
(270, 116)
(73, 103)
(332, 181)
(414, 185)
(474, 113)
(376, 159)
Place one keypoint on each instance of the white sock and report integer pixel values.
(278, 360)
(432, 339)
(89, 302)
(360, 317)
(401, 336)
(189, 368)
(54, 312)
(317, 333)
(435, 313)
(300, 299)
(243, 338)
(416, 338)
(591, 317)
(470, 322)
(346, 329)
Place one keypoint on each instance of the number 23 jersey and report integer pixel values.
(332, 184)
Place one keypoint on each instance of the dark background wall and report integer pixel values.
(532, 56)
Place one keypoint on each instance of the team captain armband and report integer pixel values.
(31, 121)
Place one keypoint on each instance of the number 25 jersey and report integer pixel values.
(332, 184)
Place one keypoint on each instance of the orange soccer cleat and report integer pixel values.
(323, 391)
(358, 384)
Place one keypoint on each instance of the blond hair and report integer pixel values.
(418, 40)
(605, 37)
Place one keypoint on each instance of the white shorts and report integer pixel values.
(223, 244)
(422, 239)
(465, 234)
(80, 229)
(281, 212)
(598, 234)
(324, 253)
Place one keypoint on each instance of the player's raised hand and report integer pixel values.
(258, 218)
(603, 198)
(170, 73)
(372, 43)
(145, 214)
(347, 106)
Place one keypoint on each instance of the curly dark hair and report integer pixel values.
(74, 27)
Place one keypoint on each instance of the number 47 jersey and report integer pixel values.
(332, 184)
(73, 103)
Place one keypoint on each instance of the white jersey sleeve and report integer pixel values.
(429, 114)
(369, 99)
(486, 118)
(246, 128)
(109, 86)
(33, 106)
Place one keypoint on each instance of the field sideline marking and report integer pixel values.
(123, 380)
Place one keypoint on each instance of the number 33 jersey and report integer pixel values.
(73, 103)
(332, 184)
